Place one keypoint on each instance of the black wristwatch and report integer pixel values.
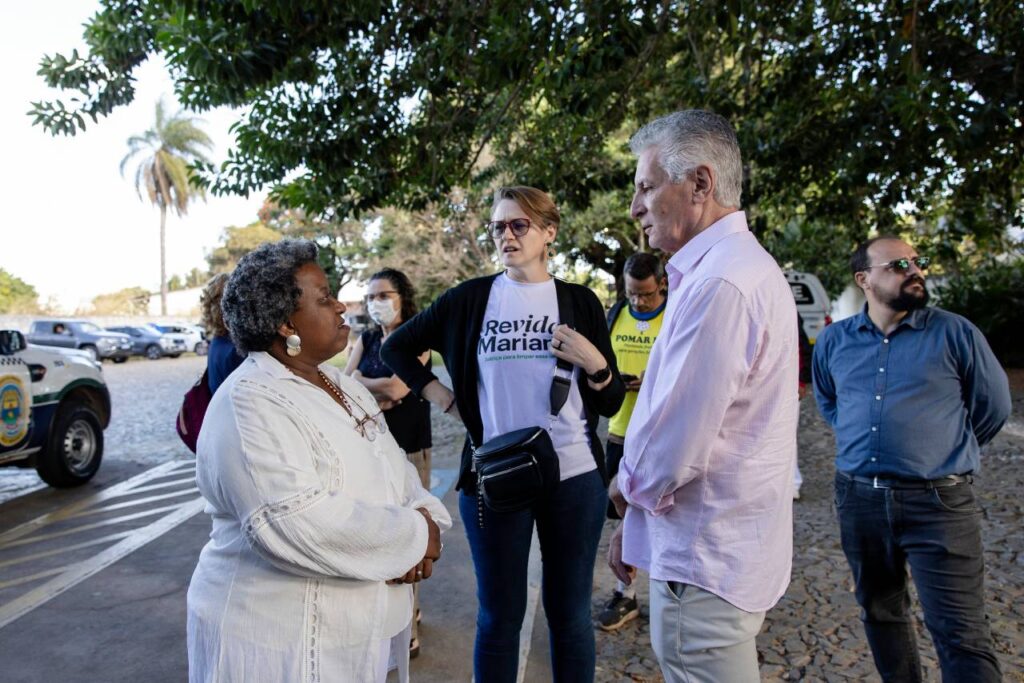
(601, 375)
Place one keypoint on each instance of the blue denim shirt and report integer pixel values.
(916, 404)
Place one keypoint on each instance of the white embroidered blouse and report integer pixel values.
(309, 521)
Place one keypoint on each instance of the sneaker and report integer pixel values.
(617, 612)
(796, 493)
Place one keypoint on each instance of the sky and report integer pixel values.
(73, 227)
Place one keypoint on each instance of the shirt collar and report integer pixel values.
(270, 365)
(686, 259)
(649, 315)
(916, 319)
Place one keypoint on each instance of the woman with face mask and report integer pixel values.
(390, 301)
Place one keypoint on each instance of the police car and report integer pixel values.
(54, 406)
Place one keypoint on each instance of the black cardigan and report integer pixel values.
(451, 326)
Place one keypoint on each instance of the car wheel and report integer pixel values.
(91, 350)
(153, 352)
(120, 359)
(75, 448)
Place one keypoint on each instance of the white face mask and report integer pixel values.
(382, 312)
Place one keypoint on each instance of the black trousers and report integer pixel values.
(936, 532)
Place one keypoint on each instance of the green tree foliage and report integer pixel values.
(852, 116)
(129, 301)
(992, 297)
(436, 247)
(237, 243)
(196, 277)
(16, 295)
(342, 241)
(343, 248)
(163, 172)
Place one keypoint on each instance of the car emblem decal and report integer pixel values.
(14, 413)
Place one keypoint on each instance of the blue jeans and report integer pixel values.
(938, 533)
(569, 528)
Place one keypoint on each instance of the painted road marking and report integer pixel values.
(81, 571)
(65, 549)
(31, 577)
(119, 543)
(132, 503)
(86, 527)
(15, 483)
(105, 494)
(441, 480)
(164, 485)
(533, 582)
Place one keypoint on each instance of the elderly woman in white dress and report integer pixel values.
(320, 524)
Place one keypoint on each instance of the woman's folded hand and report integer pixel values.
(433, 536)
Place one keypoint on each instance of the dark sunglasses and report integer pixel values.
(519, 227)
(902, 265)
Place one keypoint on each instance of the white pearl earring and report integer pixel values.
(293, 344)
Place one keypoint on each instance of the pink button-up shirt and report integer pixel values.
(709, 453)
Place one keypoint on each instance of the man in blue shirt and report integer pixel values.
(912, 393)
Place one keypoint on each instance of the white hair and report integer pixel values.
(694, 137)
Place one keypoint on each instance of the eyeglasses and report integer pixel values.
(380, 296)
(376, 420)
(519, 227)
(902, 265)
(642, 295)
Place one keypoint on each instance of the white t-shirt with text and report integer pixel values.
(515, 369)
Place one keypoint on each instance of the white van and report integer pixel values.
(812, 302)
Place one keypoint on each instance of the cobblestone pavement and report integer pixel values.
(145, 396)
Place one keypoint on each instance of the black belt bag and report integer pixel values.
(515, 469)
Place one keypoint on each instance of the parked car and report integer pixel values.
(54, 406)
(81, 334)
(195, 336)
(150, 342)
(812, 302)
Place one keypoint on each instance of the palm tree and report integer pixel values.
(169, 146)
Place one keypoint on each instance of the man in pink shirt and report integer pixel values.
(705, 485)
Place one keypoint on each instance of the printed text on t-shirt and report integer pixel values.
(516, 335)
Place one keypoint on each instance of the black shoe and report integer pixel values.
(617, 612)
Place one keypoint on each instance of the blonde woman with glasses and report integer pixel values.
(500, 337)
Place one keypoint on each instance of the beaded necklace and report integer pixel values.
(344, 399)
(361, 423)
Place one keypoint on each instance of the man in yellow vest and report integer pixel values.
(634, 323)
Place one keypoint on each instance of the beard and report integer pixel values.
(908, 299)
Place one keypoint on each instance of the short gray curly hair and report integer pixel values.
(262, 292)
(687, 139)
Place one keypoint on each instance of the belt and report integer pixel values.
(893, 483)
